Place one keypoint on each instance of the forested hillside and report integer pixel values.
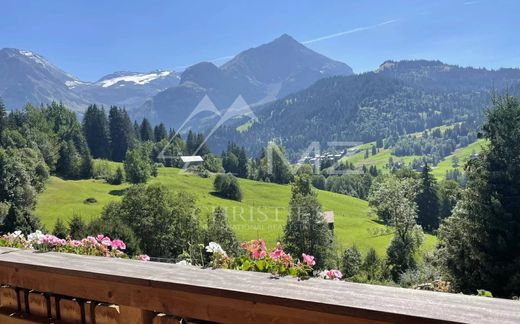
(398, 99)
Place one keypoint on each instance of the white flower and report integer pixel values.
(215, 248)
(36, 237)
(17, 234)
(184, 263)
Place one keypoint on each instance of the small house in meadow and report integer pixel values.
(328, 216)
(192, 159)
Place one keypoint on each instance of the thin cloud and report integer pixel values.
(350, 31)
(469, 3)
(319, 39)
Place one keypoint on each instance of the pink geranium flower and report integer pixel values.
(144, 257)
(333, 274)
(308, 260)
(118, 244)
(276, 254)
(100, 237)
(106, 241)
(76, 243)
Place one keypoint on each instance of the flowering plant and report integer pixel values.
(257, 257)
(331, 275)
(100, 245)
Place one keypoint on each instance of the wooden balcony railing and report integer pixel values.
(66, 288)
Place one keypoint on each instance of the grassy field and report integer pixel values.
(380, 160)
(462, 154)
(261, 214)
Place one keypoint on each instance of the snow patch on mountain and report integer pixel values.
(36, 58)
(140, 78)
(71, 84)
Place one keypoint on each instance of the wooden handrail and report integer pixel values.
(76, 288)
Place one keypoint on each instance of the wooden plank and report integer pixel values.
(215, 294)
(6, 317)
(165, 319)
(70, 311)
(38, 304)
(135, 315)
(8, 299)
(106, 313)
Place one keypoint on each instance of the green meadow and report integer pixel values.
(380, 159)
(261, 214)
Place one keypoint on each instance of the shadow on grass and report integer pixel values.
(219, 195)
(118, 192)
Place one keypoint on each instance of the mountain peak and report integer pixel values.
(281, 59)
(285, 38)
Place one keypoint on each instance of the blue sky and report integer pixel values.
(92, 38)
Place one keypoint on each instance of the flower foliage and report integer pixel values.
(257, 257)
(98, 246)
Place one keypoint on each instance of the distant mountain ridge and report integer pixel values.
(27, 77)
(398, 98)
(259, 75)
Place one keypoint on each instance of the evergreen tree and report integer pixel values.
(201, 146)
(160, 132)
(95, 129)
(374, 150)
(69, 161)
(60, 230)
(428, 200)
(137, 130)
(350, 262)
(146, 131)
(371, 265)
(19, 219)
(77, 228)
(121, 133)
(3, 118)
(219, 231)
(379, 142)
(191, 143)
(479, 244)
(242, 163)
(306, 230)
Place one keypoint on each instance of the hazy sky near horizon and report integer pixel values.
(90, 39)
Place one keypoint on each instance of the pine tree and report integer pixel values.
(137, 130)
(350, 262)
(19, 219)
(242, 164)
(60, 230)
(121, 133)
(479, 244)
(77, 228)
(146, 131)
(219, 231)
(374, 150)
(69, 161)
(3, 117)
(160, 132)
(428, 201)
(201, 145)
(95, 129)
(306, 230)
(191, 143)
